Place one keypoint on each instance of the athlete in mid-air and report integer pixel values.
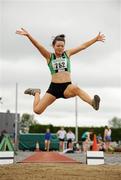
(59, 62)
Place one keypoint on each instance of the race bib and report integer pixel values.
(59, 64)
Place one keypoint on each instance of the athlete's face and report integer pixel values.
(59, 47)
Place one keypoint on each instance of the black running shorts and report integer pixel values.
(57, 89)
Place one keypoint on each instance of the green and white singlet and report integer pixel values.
(60, 64)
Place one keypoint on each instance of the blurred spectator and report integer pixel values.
(70, 138)
(61, 135)
(101, 144)
(107, 136)
(99, 138)
(86, 139)
(47, 140)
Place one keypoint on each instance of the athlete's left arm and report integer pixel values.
(99, 37)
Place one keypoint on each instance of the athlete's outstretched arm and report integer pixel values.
(41, 49)
(99, 37)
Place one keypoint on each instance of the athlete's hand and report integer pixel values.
(22, 32)
(100, 37)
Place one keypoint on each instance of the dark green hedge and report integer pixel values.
(38, 128)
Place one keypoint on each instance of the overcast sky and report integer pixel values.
(96, 69)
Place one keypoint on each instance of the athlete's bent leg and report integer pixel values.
(40, 105)
(73, 90)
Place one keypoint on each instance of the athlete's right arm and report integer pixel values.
(41, 49)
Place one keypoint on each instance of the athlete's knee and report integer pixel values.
(38, 110)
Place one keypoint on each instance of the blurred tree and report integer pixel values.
(115, 123)
(26, 121)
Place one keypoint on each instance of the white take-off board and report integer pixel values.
(95, 157)
(6, 157)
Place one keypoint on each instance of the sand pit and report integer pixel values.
(55, 171)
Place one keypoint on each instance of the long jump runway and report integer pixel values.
(48, 157)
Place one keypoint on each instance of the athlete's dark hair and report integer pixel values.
(60, 37)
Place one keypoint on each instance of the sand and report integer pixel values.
(55, 171)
